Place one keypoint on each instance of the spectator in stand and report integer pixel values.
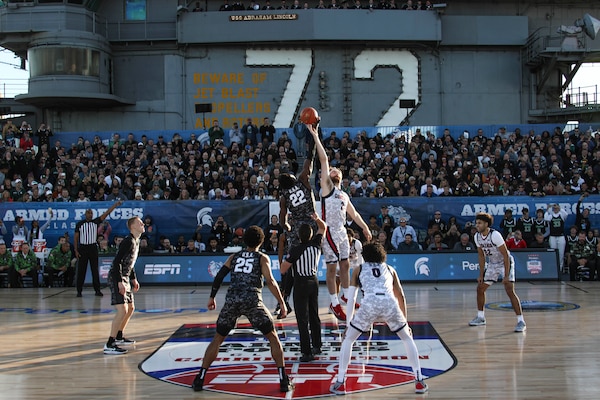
(582, 257)
(401, 231)
(145, 247)
(190, 248)
(267, 131)
(216, 133)
(536, 190)
(464, 244)
(59, 263)
(19, 230)
(437, 220)
(181, 244)
(540, 242)
(221, 231)
(6, 263)
(25, 263)
(515, 241)
(249, 129)
(437, 244)
(409, 244)
(226, 6)
(236, 135)
(198, 243)
(452, 236)
(213, 246)
(582, 217)
(37, 231)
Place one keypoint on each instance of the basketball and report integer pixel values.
(309, 116)
(239, 232)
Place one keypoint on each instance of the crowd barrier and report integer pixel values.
(161, 269)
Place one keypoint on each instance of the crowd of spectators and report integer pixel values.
(509, 163)
(237, 5)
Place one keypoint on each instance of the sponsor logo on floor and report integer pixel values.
(533, 305)
(244, 365)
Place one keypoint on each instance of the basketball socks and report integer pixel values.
(480, 314)
(520, 318)
(119, 335)
(281, 372)
(334, 299)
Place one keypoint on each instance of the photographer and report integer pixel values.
(43, 135)
(221, 231)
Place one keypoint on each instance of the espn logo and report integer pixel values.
(162, 269)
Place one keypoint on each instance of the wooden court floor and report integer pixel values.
(52, 343)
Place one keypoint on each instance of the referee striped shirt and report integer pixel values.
(305, 257)
(88, 231)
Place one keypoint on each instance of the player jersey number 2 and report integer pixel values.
(244, 265)
(297, 198)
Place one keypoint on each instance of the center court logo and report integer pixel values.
(244, 365)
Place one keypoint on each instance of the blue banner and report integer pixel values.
(419, 210)
(175, 218)
(172, 218)
(417, 267)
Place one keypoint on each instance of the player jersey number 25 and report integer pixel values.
(244, 264)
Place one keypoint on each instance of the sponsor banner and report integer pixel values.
(421, 267)
(244, 365)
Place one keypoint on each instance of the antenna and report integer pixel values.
(590, 25)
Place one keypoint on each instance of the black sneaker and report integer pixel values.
(276, 312)
(316, 350)
(285, 385)
(99, 293)
(78, 294)
(306, 357)
(114, 350)
(198, 383)
(124, 341)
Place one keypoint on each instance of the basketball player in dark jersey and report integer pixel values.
(244, 297)
(297, 199)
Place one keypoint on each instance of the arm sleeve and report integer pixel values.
(218, 280)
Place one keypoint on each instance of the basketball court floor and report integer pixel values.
(52, 347)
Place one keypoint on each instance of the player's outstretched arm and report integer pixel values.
(326, 183)
(355, 216)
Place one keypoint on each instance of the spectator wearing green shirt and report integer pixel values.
(6, 261)
(59, 261)
(25, 263)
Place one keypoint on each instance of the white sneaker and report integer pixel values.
(477, 321)
(521, 327)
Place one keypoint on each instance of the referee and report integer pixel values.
(305, 259)
(86, 247)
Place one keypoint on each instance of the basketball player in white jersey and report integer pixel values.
(335, 207)
(494, 260)
(383, 300)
